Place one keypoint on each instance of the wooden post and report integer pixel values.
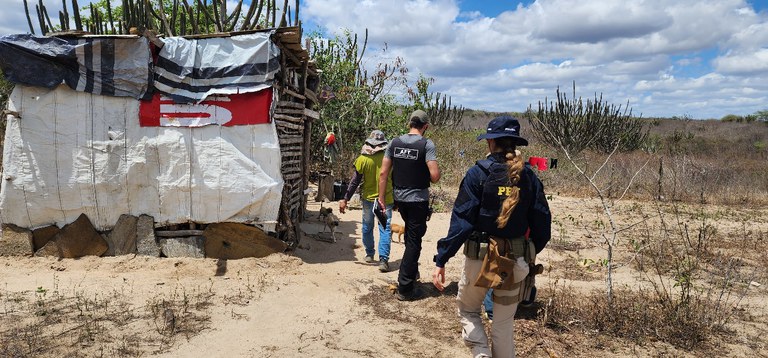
(324, 187)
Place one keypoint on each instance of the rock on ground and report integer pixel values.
(41, 236)
(183, 246)
(122, 239)
(146, 244)
(77, 239)
(237, 241)
(16, 241)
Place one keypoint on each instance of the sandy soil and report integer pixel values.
(323, 301)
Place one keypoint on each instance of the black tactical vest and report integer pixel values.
(495, 190)
(409, 166)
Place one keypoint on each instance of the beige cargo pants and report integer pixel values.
(469, 302)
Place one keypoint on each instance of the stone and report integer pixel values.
(79, 238)
(49, 249)
(146, 244)
(16, 241)
(41, 236)
(237, 241)
(122, 239)
(183, 246)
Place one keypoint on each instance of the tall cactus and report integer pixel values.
(182, 17)
(575, 124)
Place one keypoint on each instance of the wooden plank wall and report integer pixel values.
(293, 119)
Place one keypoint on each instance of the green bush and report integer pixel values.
(5, 91)
(732, 118)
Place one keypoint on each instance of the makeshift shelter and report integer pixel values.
(188, 130)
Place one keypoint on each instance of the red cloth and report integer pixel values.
(330, 138)
(539, 163)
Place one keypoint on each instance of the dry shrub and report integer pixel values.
(710, 162)
(457, 151)
(638, 316)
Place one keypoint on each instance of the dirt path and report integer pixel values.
(321, 301)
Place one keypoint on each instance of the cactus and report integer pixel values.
(182, 18)
(595, 124)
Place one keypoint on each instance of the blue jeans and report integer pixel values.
(488, 303)
(385, 234)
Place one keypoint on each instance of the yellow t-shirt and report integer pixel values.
(370, 167)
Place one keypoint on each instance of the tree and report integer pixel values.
(732, 118)
(761, 115)
(438, 106)
(355, 100)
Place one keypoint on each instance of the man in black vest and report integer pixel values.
(412, 160)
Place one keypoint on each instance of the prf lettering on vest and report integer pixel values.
(505, 191)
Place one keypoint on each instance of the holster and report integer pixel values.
(509, 266)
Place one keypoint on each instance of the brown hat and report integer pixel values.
(376, 138)
(419, 116)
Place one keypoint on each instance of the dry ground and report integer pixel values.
(323, 301)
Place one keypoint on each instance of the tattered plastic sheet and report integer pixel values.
(74, 152)
(190, 70)
(114, 66)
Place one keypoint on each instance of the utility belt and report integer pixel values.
(508, 265)
(476, 246)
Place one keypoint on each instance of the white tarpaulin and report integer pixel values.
(74, 152)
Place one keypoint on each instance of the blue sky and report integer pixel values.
(696, 58)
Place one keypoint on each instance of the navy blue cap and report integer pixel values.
(504, 126)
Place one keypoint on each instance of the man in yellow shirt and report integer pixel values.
(367, 169)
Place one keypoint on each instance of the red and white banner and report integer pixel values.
(224, 110)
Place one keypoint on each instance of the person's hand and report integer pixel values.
(342, 206)
(438, 278)
(383, 206)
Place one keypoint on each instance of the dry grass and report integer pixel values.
(708, 162)
(54, 323)
(634, 315)
(696, 273)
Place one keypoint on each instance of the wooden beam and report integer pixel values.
(311, 114)
(284, 117)
(287, 125)
(178, 233)
(294, 94)
(290, 104)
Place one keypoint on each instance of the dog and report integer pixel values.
(324, 212)
(399, 229)
(331, 222)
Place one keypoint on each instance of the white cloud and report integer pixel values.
(596, 21)
(14, 21)
(751, 63)
(12, 18)
(705, 58)
(655, 52)
(397, 22)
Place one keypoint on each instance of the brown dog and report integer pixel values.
(399, 229)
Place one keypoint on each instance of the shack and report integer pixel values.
(189, 131)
